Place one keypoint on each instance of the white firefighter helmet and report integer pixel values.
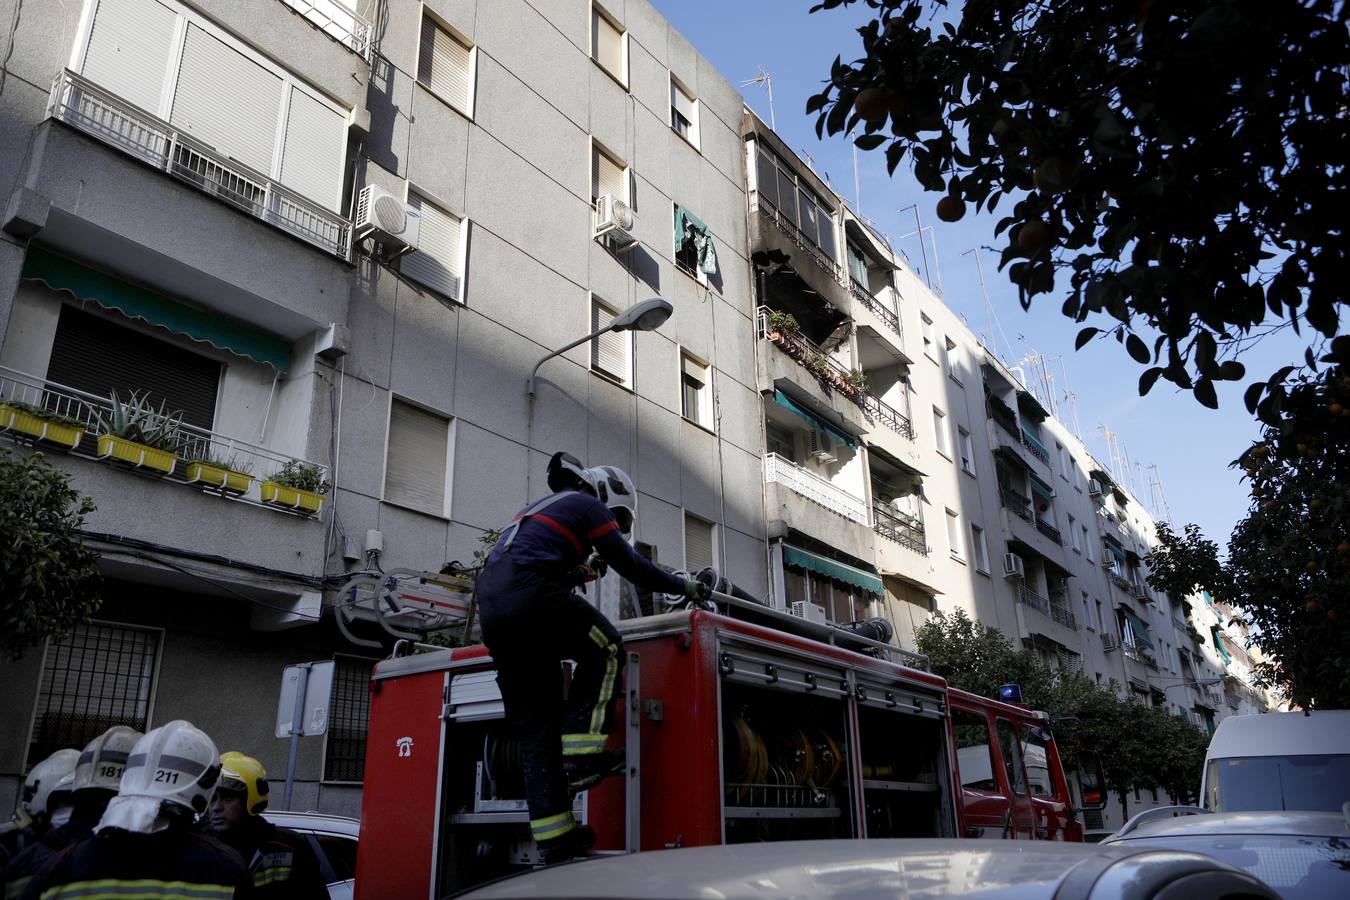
(104, 759)
(617, 491)
(175, 764)
(43, 780)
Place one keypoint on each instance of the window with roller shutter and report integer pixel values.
(415, 461)
(438, 260)
(445, 65)
(608, 175)
(696, 391)
(611, 352)
(683, 112)
(698, 543)
(609, 45)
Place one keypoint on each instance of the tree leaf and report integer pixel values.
(1204, 392)
(1147, 380)
(1084, 336)
(1138, 350)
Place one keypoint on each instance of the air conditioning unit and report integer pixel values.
(1013, 566)
(811, 612)
(1110, 642)
(1094, 488)
(615, 222)
(387, 220)
(820, 445)
(1140, 594)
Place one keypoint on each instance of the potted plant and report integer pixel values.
(135, 432)
(40, 423)
(857, 381)
(224, 472)
(299, 486)
(781, 325)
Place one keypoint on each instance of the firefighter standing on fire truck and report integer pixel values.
(532, 620)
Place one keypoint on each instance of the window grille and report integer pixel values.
(348, 718)
(98, 677)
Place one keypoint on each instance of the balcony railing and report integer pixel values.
(905, 531)
(192, 443)
(1140, 655)
(804, 243)
(875, 306)
(1055, 611)
(1015, 503)
(883, 413)
(1049, 531)
(101, 114)
(828, 371)
(780, 470)
(1119, 581)
(1035, 447)
(338, 21)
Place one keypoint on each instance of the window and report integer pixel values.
(101, 675)
(1035, 754)
(1012, 758)
(941, 439)
(776, 183)
(778, 439)
(967, 449)
(843, 603)
(683, 112)
(696, 391)
(1087, 611)
(1073, 534)
(609, 46)
(698, 544)
(344, 749)
(1065, 462)
(979, 549)
(954, 535)
(1100, 622)
(416, 460)
(445, 65)
(974, 752)
(439, 258)
(926, 326)
(611, 352)
(1087, 544)
(953, 360)
(608, 176)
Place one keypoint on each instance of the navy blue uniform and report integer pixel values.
(35, 857)
(532, 621)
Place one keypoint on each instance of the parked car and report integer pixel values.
(1302, 855)
(1279, 761)
(334, 841)
(991, 870)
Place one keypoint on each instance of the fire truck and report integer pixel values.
(741, 723)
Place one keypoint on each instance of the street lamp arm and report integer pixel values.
(529, 383)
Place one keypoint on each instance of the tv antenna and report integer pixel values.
(765, 79)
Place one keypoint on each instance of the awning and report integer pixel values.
(1105, 480)
(832, 568)
(1031, 437)
(690, 226)
(885, 455)
(787, 402)
(1011, 456)
(1042, 489)
(1119, 494)
(83, 283)
(1139, 627)
(1031, 407)
(1114, 547)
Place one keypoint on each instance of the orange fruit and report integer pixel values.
(871, 104)
(951, 209)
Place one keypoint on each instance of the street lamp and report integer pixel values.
(648, 315)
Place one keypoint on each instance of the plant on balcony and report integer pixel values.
(857, 381)
(781, 325)
(224, 472)
(135, 432)
(299, 486)
(40, 423)
(819, 365)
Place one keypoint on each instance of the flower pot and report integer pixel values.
(139, 455)
(24, 422)
(215, 476)
(290, 497)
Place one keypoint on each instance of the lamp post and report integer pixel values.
(648, 315)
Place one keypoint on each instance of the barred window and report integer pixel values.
(100, 676)
(344, 757)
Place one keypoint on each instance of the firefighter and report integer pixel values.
(93, 783)
(40, 799)
(532, 620)
(280, 862)
(146, 845)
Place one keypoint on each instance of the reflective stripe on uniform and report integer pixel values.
(138, 889)
(601, 710)
(583, 744)
(270, 875)
(15, 888)
(551, 827)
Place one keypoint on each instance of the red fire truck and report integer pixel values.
(743, 725)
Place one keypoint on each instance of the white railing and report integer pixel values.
(779, 470)
(337, 20)
(99, 113)
(191, 443)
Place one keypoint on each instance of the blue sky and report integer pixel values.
(1190, 445)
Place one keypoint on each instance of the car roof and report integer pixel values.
(314, 821)
(1282, 734)
(1295, 822)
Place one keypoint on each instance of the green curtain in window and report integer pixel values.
(1139, 627)
(833, 569)
(857, 266)
(689, 225)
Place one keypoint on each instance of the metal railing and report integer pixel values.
(804, 243)
(811, 357)
(905, 531)
(1119, 581)
(780, 470)
(1049, 531)
(1140, 655)
(338, 21)
(876, 307)
(1035, 447)
(1003, 416)
(191, 443)
(97, 112)
(880, 411)
(1055, 611)
(1015, 503)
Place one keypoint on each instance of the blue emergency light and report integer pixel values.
(1010, 693)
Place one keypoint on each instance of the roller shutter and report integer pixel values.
(610, 352)
(436, 261)
(698, 543)
(445, 65)
(414, 473)
(129, 50)
(316, 140)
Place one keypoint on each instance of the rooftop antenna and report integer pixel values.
(1070, 398)
(1160, 498)
(1118, 461)
(765, 79)
(857, 189)
(988, 307)
(918, 226)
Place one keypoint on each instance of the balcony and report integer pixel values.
(192, 442)
(1015, 503)
(1140, 655)
(883, 413)
(901, 529)
(1003, 416)
(796, 236)
(875, 306)
(89, 109)
(1049, 531)
(780, 470)
(1035, 447)
(338, 21)
(1056, 611)
(829, 372)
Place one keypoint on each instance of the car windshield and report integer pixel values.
(1311, 782)
(1299, 868)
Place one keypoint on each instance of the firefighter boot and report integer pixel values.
(575, 842)
(585, 772)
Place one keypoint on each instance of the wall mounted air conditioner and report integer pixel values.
(820, 445)
(1013, 566)
(811, 612)
(387, 220)
(1110, 642)
(615, 222)
(1094, 488)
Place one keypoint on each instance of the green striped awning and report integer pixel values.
(1042, 489)
(816, 421)
(1031, 407)
(832, 568)
(1139, 627)
(84, 283)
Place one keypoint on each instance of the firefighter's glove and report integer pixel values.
(697, 591)
(584, 575)
(597, 565)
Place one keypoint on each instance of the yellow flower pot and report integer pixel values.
(214, 476)
(293, 498)
(139, 455)
(24, 422)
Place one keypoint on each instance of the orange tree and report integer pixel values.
(1181, 164)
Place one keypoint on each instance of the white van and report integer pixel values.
(1278, 761)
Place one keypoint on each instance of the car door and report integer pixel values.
(1021, 823)
(985, 803)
